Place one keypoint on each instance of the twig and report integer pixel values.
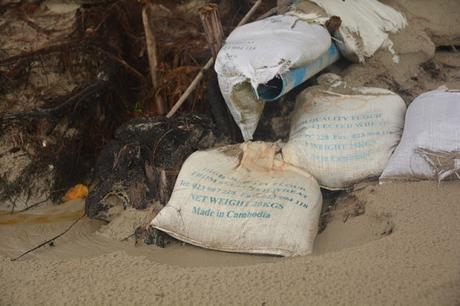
(250, 13)
(152, 55)
(49, 240)
(208, 65)
(127, 237)
(163, 186)
(122, 62)
(268, 13)
(32, 206)
(190, 88)
(35, 26)
(158, 143)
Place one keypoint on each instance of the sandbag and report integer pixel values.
(342, 136)
(255, 53)
(365, 27)
(243, 198)
(430, 144)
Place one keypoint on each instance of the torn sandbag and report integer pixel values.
(343, 135)
(283, 83)
(365, 26)
(243, 198)
(430, 144)
(258, 52)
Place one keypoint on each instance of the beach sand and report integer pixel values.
(402, 250)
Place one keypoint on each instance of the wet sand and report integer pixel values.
(402, 250)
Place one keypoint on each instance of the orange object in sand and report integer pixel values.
(78, 191)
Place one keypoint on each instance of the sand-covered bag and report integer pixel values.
(243, 198)
(430, 144)
(343, 135)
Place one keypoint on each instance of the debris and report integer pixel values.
(62, 88)
(344, 135)
(78, 191)
(70, 74)
(430, 144)
(244, 198)
(141, 164)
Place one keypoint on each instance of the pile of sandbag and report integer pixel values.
(281, 52)
(265, 198)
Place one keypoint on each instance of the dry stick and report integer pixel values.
(210, 19)
(163, 186)
(152, 55)
(250, 13)
(31, 206)
(208, 65)
(49, 240)
(268, 13)
(121, 61)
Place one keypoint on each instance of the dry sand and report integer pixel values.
(404, 249)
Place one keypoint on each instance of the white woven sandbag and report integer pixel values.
(342, 136)
(430, 145)
(255, 53)
(365, 26)
(243, 198)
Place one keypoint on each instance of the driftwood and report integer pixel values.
(208, 65)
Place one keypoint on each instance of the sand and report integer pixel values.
(403, 250)
(396, 243)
